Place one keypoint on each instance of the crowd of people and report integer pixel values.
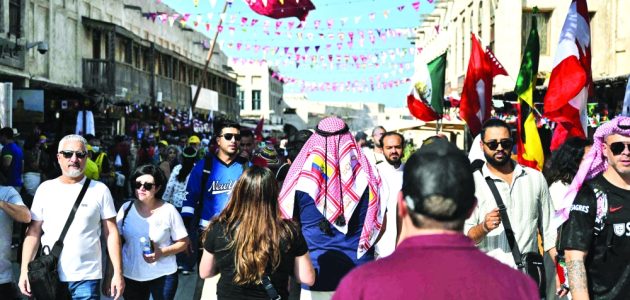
(322, 216)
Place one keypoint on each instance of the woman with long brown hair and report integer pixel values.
(252, 247)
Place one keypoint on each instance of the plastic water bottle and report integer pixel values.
(146, 246)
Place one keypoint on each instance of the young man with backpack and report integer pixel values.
(595, 236)
(211, 181)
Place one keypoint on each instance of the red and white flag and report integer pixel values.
(571, 83)
(476, 101)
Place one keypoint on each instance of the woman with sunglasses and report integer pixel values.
(175, 193)
(150, 218)
(269, 248)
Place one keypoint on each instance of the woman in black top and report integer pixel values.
(250, 242)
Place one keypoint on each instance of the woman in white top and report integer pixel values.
(564, 165)
(150, 218)
(175, 193)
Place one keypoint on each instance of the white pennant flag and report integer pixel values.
(213, 3)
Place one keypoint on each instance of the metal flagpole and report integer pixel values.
(208, 57)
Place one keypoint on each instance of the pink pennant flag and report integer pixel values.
(278, 33)
(351, 35)
(355, 58)
(419, 50)
(254, 21)
(220, 28)
(361, 42)
(207, 26)
(372, 16)
(286, 50)
(400, 8)
(290, 25)
(266, 24)
(248, 47)
(330, 57)
(231, 29)
(316, 23)
(186, 16)
(243, 21)
(350, 44)
(238, 46)
(328, 47)
(416, 5)
(278, 24)
(339, 45)
(430, 1)
(330, 23)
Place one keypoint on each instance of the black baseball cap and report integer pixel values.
(438, 180)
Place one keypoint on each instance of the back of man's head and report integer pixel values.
(438, 184)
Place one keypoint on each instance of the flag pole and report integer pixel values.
(204, 74)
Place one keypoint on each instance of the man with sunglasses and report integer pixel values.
(223, 168)
(80, 263)
(523, 191)
(595, 238)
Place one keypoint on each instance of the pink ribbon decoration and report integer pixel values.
(416, 5)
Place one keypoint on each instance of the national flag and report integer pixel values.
(475, 104)
(571, 82)
(279, 9)
(529, 148)
(425, 101)
(259, 129)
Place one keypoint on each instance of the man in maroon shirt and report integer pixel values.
(434, 259)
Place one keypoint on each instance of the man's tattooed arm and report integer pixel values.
(577, 278)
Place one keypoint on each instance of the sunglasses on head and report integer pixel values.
(229, 136)
(617, 147)
(69, 153)
(505, 144)
(147, 185)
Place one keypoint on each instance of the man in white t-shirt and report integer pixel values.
(11, 209)
(391, 172)
(80, 261)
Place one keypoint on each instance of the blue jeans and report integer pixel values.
(161, 288)
(85, 289)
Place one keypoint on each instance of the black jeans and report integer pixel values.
(9, 291)
(162, 288)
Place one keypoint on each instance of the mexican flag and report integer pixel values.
(425, 101)
(529, 148)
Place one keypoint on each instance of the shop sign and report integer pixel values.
(11, 54)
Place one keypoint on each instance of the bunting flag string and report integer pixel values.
(358, 86)
(341, 22)
(339, 63)
(314, 50)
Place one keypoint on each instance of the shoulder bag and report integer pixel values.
(530, 263)
(42, 271)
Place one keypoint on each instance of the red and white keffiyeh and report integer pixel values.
(594, 163)
(332, 169)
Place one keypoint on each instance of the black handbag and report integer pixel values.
(530, 263)
(42, 271)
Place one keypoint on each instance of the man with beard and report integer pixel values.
(391, 174)
(524, 193)
(596, 235)
(80, 261)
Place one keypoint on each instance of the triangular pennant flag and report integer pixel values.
(306, 49)
(196, 2)
(416, 5)
(278, 24)
(290, 25)
(400, 8)
(295, 49)
(286, 50)
(330, 23)
(254, 21)
(316, 24)
(317, 49)
(207, 26)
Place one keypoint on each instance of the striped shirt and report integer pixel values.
(528, 205)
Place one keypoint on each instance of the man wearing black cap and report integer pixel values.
(434, 259)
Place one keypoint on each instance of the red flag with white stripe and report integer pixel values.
(279, 9)
(571, 83)
(476, 100)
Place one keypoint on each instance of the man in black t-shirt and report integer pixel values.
(596, 236)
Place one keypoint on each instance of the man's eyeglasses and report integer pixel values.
(229, 136)
(617, 147)
(147, 185)
(68, 154)
(505, 144)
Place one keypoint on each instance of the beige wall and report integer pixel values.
(610, 33)
(258, 77)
